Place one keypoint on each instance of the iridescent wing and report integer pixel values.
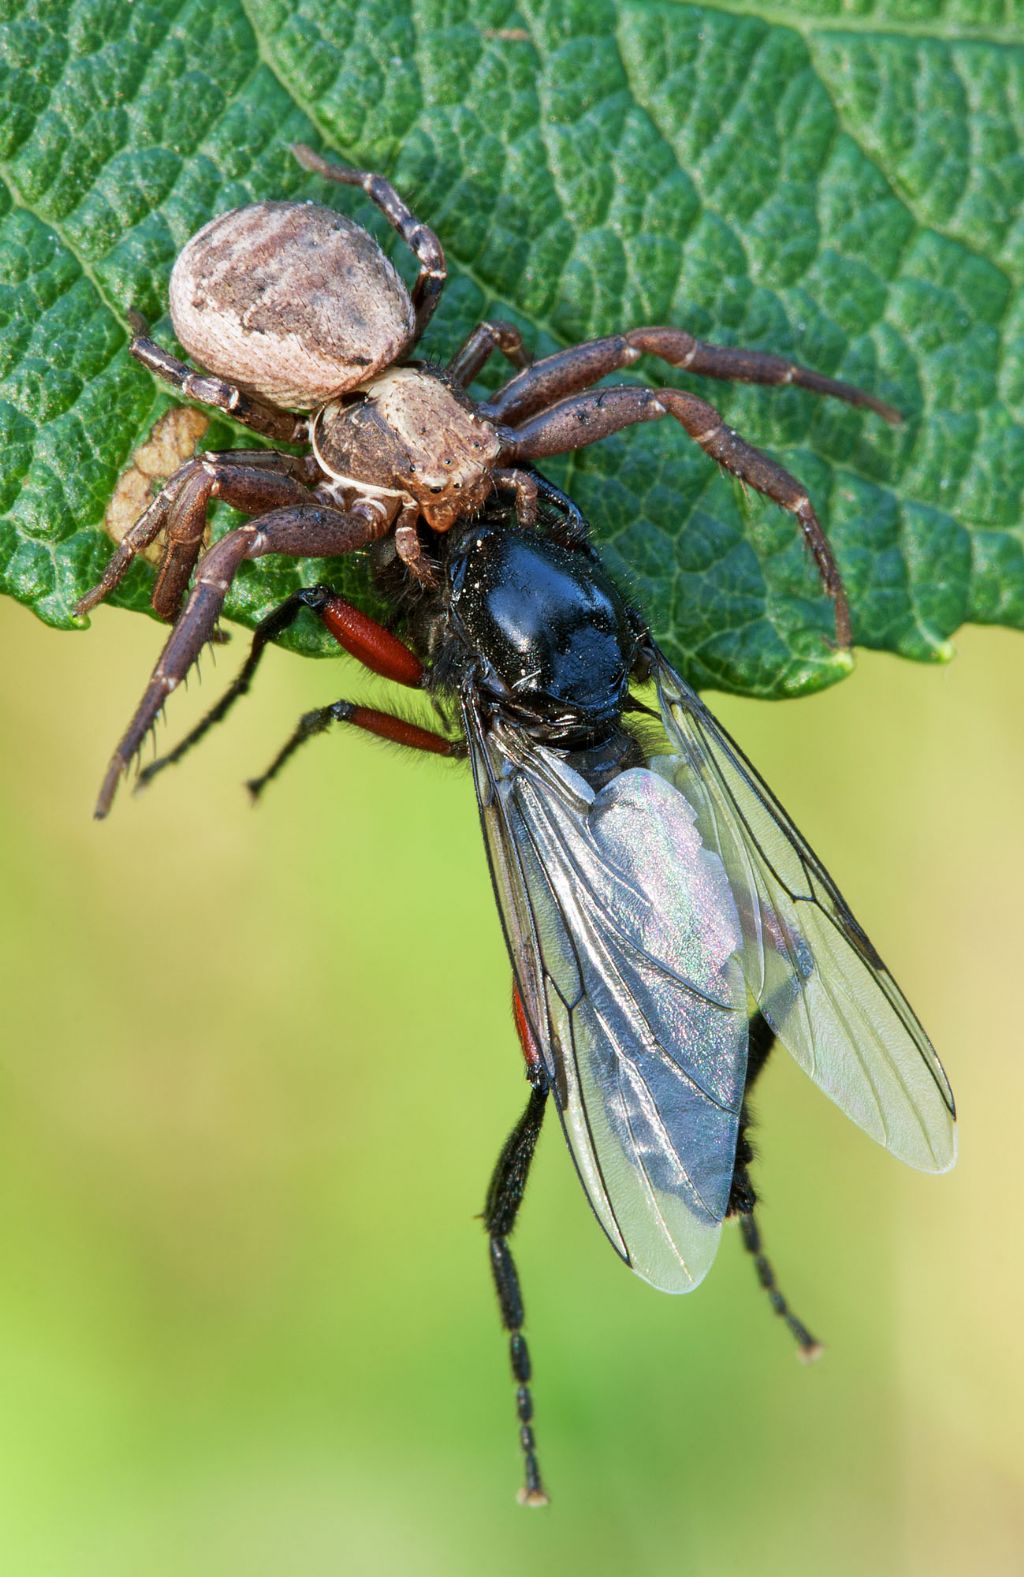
(625, 942)
(815, 975)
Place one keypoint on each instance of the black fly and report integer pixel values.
(665, 921)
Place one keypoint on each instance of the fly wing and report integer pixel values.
(625, 943)
(818, 980)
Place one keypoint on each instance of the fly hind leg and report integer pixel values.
(743, 1198)
(504, 1196)
(385, 725)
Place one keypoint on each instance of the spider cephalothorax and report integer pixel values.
(292, 307)
(411, 433)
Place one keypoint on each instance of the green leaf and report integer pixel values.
(840, 183)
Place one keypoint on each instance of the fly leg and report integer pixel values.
(743, 1199)
(362, 637)
(397, 730)
(571, 531)
(808, 1346)
(504, 1196)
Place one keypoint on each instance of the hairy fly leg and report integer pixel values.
(504, 1197)
(569, 530)
(743, 1199)
(385, 725)
(587, 418)
(808, 1346)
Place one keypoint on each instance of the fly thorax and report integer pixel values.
(552, 628)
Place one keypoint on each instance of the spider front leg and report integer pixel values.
(586, 418)
(253, 480)
(480, 345)
(526, 491)
(266, 419)
(418, 237)
(568, 371)
(304, 531)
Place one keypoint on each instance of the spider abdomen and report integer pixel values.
(290, 301)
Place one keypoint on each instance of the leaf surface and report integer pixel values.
(841, 184)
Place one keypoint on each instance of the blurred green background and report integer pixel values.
(257, 1067)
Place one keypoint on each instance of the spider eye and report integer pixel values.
(437, 489)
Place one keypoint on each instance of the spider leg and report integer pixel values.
(526, 490)
(586, 418)
(419, 238)
(135, 540)
(409, 547)
(251, 489)
(569, 371)
(174, 510)
(308, 530)
(479, 346)
(207, 390)
(398, 730)
(362, 637)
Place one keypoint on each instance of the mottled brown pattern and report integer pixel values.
(299, 298)
(172, 440)
(412, 431)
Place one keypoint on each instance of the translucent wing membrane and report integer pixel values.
(625, 941)
(643, 920)
(818, 980)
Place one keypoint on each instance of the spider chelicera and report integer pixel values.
(293, 307)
